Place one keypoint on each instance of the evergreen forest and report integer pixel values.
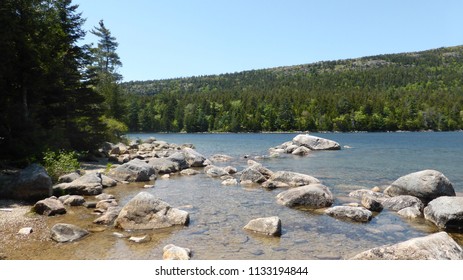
(407, 91)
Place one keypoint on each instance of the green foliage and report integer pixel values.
(60, 163)
(408, 91)
(115, 129)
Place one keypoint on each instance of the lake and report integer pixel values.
(218, 213)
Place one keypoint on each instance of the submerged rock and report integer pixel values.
(145, 211)
(437, 246)
(446, 212)
(267, 226)
(426, 185)
(311, 196)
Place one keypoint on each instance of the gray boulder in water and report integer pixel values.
(437, 246)
(145, 211)
(315, 143)
(268, 226)
(426, 185)
(446, 212)
(356, 214)
(135, 170)
(67, 233)
(311, 196)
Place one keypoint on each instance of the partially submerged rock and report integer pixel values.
(400, 202)
(145, 211)
(67, 233)
(268, 226)
(315, 143)
(437, 246)
(311, 196)
(356, 214)
(290, 179)
(426, 185)
(446, 212)
(172, 252)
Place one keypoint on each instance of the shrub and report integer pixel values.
(60, 163)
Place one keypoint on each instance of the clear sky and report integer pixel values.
(161, 39)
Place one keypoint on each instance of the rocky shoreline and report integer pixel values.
(426, 193)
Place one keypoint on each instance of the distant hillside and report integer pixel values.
(406, 91)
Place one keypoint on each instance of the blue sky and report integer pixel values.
(173, 38)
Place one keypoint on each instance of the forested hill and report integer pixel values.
(406, 91)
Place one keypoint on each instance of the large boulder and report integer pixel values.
(67, 233)
(267, 226)
(163, 165)
(49, 207)
(193, 158)
(145, 211)
(31, 184)
(135, 170)
(356, 214)
(180, 159)
(426, 185)
(290, 179)
(446, 212)
(315, 143)
(437, 246)
(311, 196)
(88, 184)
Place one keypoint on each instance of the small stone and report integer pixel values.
(141, 239)
(172, 252)
(148, 186)
(25, 231)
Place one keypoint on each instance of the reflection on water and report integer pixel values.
(218, 213)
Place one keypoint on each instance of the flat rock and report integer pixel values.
(437, 246)
(426, 185)
(446, 212)
(311, 196)
(356, 214)
(67, 233)
(268, 226)
(172, 252)
(145, 211)
(189, 172)
(291, 179)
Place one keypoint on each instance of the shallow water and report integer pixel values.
(218, 213)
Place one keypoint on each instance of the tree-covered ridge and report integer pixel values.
(408, 91)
